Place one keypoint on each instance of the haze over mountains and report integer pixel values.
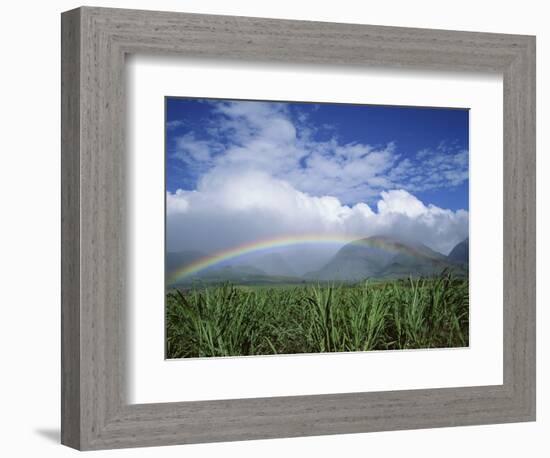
(377, 257)
(461, 252)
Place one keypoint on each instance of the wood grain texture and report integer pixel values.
(96, 414)
(70, 229)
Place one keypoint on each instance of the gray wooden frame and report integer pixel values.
(95, 413)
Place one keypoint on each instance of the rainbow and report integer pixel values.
(256, 246)
(283, 242)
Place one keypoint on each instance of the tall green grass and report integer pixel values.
(231, 320)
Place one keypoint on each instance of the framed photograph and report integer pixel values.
(277, 228)
(272, 246)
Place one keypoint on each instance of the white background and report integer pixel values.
(155, 380)
(29, 190)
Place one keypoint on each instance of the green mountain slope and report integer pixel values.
(382, 258)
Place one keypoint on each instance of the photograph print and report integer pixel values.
(300, 227)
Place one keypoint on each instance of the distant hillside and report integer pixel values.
(377, 257)
(238, 274)
(177, 260)
(354, 261)
(273, 264)
(382, 257)
(231, 273)
(460, 254)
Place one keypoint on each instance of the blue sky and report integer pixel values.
(432, 142)
(240, 171)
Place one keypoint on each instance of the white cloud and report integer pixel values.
(260, 173)
(266, 137)
(177, 202)
(229, 208)
(442, 167)
(174, 124)
(401, 202)
(190, 149)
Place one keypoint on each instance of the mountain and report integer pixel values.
(378, 257)
(264, 270)
(179, 259)
(273, 264)
(354, 261)
(460, 254)
(239, 274)
(230, 273)
(381, 257)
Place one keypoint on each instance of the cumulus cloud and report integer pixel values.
(193, 151)
(268, 137)
(232, 207)
(260, 170)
